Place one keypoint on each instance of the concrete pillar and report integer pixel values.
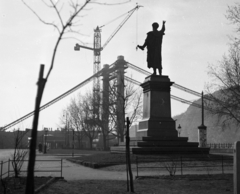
(202, 136)
(236, 168)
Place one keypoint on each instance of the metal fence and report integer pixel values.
(4, 172)
(7, 169)
(184, 164)
(220, 145)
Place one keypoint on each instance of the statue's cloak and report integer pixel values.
(154, 47)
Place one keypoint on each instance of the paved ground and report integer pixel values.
(73, 171)
(5, 154)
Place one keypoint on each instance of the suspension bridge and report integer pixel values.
(114, 70)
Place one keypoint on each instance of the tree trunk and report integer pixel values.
(79, 139)
(90, 143)
(32, 155)
(104, 142)
(128, 159)
(122, 136)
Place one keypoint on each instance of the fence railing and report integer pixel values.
(220, 145)
(4, 172)
(7, 169)
(184, 164)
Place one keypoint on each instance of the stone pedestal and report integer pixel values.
(157, 120)
(157, 132)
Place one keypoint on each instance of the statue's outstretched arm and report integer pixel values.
(163, 26)
(143, 46)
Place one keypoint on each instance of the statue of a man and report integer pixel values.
(154, 47)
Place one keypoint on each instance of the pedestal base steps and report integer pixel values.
(161, 145)
(121, 148)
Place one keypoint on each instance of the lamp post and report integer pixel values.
(202, 129)
(179, 130)
(66, 130)
(73, 143)
(45, 145)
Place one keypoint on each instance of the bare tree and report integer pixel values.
(128, 159)
(88, 122)
(171, 166)
(131, 106)
(224, 91)
(74, 110)
(133, 102)
(107, 119)
(20, 152)
(233, 15)
(82, 117)
(113, 112)
(62, 28)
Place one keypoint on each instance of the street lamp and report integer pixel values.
(179, 130)
(45, 145)
(66, 130)
(73, 143)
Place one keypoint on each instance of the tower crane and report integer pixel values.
(97, 50)
(96, 67)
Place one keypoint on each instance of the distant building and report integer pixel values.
(58, 139)
(63, 139)
(7, 138)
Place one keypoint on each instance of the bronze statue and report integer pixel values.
(154, 47)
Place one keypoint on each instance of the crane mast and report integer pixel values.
(96, 67)
(97, 50)
(97, 55)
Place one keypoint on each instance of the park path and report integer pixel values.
(72, 171)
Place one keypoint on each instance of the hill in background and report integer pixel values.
(191, 119)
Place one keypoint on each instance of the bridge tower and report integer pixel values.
(120, 66)
(116, 73)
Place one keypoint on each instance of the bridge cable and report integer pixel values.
(52, 101)
(88, 80)
(172, 96)
(174, 85)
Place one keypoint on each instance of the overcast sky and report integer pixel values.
(196, 36)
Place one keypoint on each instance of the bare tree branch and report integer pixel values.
(120, 3)
(61, 34)
(54, 5)
(225, 99)
(233, 15)
(47, 23)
